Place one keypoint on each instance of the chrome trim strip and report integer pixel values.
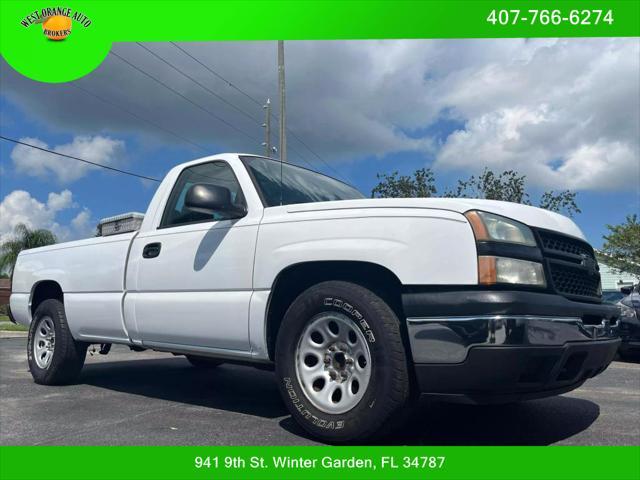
(197, 350)
(192, 290)
(423, 320)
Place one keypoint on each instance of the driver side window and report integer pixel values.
(217, 173)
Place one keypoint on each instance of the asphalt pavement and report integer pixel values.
(148, 398)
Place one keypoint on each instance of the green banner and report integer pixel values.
(60, 41)
(78, 39)
(300, 463)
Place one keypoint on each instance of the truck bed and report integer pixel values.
(90, 272)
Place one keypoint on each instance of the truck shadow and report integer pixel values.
(208, 246)
(253, 392)
(230, 388)
(537, 422)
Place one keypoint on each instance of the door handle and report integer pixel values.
(151, 250)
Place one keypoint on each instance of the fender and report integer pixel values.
(414, 244)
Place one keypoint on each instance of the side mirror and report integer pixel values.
(210, 199)
(626, 290)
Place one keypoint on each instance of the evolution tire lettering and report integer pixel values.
(348, 308)
(297, 403)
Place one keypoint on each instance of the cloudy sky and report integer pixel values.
(564, 112)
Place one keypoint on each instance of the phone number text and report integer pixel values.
(550, 17)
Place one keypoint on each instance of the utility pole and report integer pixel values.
(267, 128)
(283, 122)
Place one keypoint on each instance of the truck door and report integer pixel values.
(193, 274)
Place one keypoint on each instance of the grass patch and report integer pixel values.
(7, 326)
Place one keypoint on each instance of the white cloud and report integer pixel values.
(20, 207)
(83, 224)
(600, 165)
(545, 107)
(33, 162)
(568, 115)
(60, 201)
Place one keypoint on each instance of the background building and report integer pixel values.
(614, 279)
(5, 291)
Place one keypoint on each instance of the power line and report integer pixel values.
(155, 124)
(311, 165)
(160, 127)
(222, 99)
(254, 100)
(215, 94)
(225, 80)
(258, 102)
(315, 154)
(125, 172)
(209, 112)
(230, 125)
(135, 115)
(232, 105)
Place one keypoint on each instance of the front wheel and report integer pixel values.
(54, 357)
(341, 364)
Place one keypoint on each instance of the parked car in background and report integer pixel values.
(612, 296)
(629, 324)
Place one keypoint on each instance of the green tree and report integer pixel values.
(508, 186)
(421, 184)
(23, 239)
(563, 201)
(622, 246)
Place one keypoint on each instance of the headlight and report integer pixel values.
(492, 270)
(487, 226)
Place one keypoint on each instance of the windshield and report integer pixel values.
(298, 185)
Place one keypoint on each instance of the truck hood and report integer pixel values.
(532, 216)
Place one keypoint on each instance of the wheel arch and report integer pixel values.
(296, 278)
(44, 290)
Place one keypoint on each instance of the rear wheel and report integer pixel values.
(203, 362)
(340, 362)
(54, 357)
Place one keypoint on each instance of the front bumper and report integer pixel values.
(516, 345)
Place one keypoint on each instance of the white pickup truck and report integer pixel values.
(359, 304)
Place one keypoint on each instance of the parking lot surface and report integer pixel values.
(148, 398)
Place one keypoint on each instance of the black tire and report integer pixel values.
(68, 355)
(203, 362)
(386, 399)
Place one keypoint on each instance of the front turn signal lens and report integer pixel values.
(487, 274)
(492, 270)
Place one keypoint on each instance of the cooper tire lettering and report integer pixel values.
(350, 310)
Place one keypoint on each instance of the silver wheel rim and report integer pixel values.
(333, 363)
(44, 342)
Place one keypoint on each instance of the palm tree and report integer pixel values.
(23, 239)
